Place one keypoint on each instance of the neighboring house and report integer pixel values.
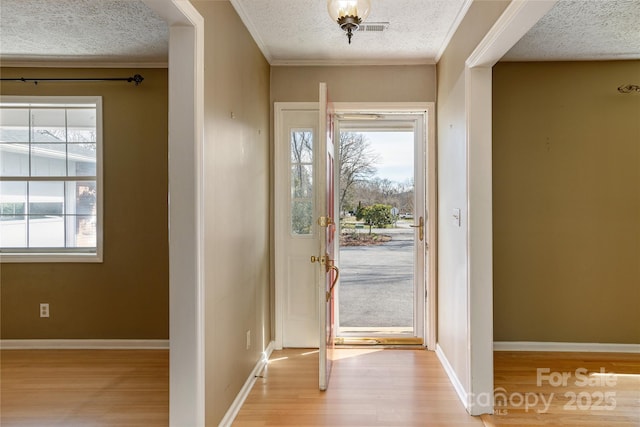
(127, 296)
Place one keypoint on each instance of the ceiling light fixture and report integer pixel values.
(349, 14)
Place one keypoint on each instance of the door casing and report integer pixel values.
(426, 108)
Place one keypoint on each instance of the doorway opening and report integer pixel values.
(381, 202)
(297, 185)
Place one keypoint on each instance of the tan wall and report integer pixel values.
(236, 193)
(566, 202)
(453, 263)
(410, 83)
(126, 296)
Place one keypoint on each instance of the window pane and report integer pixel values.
(13, 232)
(81, 159)
(81, 199)
(81, 125)
(46, 232)
(13, 222)
(13, 192)
(46, 198)
(46, 220)
(81, 231)
(301, 181)
(48, 160)
(301, 216)
(48, 125)
(14, 159)
(301, 146)
(14, 125)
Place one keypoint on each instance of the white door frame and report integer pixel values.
(280, 199)
(431, 199)
(515, 21)
(431, 262)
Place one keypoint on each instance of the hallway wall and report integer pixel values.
(236, 168)
(453, 259)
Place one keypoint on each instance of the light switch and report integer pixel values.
(456, 217)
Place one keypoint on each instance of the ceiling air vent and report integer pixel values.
(373, 27)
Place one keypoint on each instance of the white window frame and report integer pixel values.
(70, 254)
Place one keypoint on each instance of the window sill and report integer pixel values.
(50, 258)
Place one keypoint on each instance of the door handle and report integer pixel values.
(335, 280)
(328, 266)
(420, 226)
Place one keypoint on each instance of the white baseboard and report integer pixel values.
(233, 410)
(565, 346)
(457, 385)
(84, 344)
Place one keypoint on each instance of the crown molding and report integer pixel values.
(244, 17)
(349, 63)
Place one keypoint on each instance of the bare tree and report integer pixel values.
(302, 179)
(357, 162)
(382, 190)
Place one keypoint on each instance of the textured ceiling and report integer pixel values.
(301, 31)
(581, 30)
(87, 30)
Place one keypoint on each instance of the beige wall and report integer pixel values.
(453, 265)
(566, 202)
(236, 193)
(410, 83)
(126, 296)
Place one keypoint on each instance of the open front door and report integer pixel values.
(328, 273)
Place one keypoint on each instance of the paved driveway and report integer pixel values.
(376, 282)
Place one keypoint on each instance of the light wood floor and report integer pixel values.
(589, 398)
(84, 388)
(368, 387)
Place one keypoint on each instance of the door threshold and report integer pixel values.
(362, 331)
(378, 341)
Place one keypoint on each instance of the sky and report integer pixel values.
(395, 151)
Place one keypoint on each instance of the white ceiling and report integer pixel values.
(301, 32)
(102, 31)
(575, 30)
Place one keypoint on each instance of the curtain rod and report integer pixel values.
(137, 79)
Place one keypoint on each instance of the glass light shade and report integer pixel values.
(339, 8)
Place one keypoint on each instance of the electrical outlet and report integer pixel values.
(44, 309)
(248, 340)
